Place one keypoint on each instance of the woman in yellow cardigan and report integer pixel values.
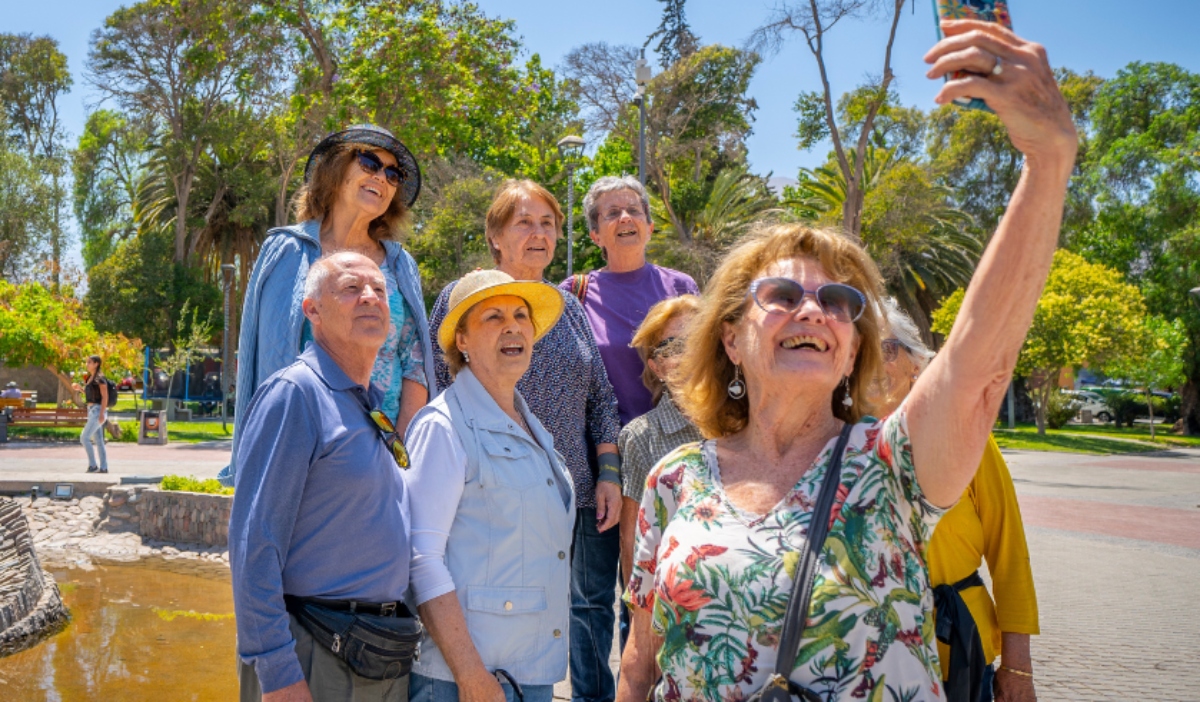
(986, 524)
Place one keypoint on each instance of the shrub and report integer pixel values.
(191, 484)
(1060, 409)
(129, 432)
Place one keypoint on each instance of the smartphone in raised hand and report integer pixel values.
(982, 10)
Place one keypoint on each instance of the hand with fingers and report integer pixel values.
(1014, 77)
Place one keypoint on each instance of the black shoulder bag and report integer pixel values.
(780, 688)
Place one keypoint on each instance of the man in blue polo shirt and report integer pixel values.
(320, 509)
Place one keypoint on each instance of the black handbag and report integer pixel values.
(374, 646)
(780, 688)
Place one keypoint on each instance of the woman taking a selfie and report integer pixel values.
(776, 372)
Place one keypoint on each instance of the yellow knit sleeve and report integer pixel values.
(1005, 548)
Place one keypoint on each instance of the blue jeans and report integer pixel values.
(94, 429)
(594, 560)
(423, 689)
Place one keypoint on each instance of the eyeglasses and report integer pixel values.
(391, 437)
(614, 213)
(668, 347)
(370, 163)
(785, 296)
(891, 349)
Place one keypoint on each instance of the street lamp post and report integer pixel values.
(642, 76)
(1195, 294)
(571, 148)
(227, 283)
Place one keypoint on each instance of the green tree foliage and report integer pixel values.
(1140, 179)
(1087, 315)
(676, 41)
(698, 118)
(139, 291)
(33, 75)
(41, 327)
(24, 218)
(178, 66)
(1154, 359)
(109, 168)
(924, 245)
(735, 202)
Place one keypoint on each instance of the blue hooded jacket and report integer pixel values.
(273, 320)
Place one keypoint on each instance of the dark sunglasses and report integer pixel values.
(370, 163)
(668, 347)
(784, 295)
(388, 429)
(891, 349)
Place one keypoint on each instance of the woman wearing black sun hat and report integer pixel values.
(359, 186)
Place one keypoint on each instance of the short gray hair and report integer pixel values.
(904, 329)
(611, 184)
(320, 271)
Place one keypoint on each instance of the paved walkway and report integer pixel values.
(1115, 546)
(67, 462)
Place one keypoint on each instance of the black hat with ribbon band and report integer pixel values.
(370, 135)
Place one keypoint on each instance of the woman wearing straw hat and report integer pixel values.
(492, 506)
(359, 185)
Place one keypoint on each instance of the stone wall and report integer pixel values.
(178, 517)
(30, 605)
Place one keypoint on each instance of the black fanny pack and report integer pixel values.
(378, 642)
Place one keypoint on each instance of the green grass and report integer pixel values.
(180, 432)
(1099, 440)
(1141, 432)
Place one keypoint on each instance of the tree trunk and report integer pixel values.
(65, 381)
(183, 187)
(1043, 398)
(1190, 409)
(1150, 408)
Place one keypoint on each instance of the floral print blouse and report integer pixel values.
(717, 580)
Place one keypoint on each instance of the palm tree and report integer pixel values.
(735, 203)
(924, 245)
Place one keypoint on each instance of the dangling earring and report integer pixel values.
(847, 401)
(737, 388)
(466, 357)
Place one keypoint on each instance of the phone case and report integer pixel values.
(983, 10)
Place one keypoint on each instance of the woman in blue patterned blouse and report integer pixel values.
(568, 390)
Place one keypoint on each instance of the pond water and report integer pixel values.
(144, 631)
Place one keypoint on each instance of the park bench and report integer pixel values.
(58, 417)
(11, 403)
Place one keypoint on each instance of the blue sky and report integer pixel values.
(1097, 35)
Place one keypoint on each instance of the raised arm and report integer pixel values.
(954, 403)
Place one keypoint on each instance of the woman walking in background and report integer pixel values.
(95, 393)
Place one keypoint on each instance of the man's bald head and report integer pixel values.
(320, 271)
(345, 301)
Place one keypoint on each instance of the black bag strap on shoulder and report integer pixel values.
(797, 611)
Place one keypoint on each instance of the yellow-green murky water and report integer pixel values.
(142, 631)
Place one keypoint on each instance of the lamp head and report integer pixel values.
(571, 147)
(1195, 295)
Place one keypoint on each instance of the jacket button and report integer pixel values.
(562, 555)
(558, 633)
(507, 606)
(550, 481)
(507, 449)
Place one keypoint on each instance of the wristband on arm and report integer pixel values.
(610, 468)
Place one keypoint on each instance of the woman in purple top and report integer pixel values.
(618, 296)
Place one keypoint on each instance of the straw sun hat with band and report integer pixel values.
(545, 302)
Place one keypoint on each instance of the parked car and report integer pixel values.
(1088, 400)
